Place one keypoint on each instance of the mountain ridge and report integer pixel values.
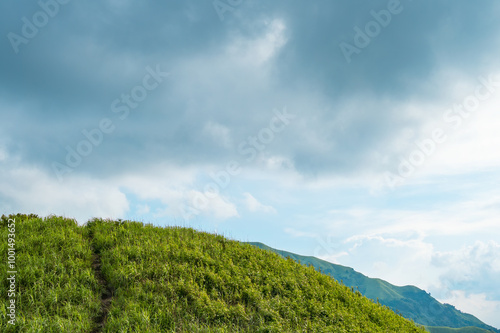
(409, 301)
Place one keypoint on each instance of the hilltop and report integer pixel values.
(123, 276)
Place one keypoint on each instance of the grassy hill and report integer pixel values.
(56, 289)
(115, 276)
(411, 302)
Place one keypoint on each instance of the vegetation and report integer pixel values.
(457, 330)
(172, 280)
(55, 284)
(411, 302)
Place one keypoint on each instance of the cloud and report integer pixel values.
(28, 189)
(175, 190)
(467, 278)
(254, 205)
(479, 304)
(285, 53)
(399, 259)
(212, 205)
(256, 52)
(219, 133)
(420, 246)
(474, 268)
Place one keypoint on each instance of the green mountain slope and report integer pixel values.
(457, 330)
(114, 276)
(411, 302)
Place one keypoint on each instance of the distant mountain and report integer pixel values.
(435, 329)
(409, 301)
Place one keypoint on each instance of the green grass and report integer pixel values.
(56, 287)
(174, 280)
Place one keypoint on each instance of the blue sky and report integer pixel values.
(364, 133)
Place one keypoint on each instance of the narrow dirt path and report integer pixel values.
(106, 296)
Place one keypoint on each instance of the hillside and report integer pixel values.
(115, 276)
(411, 302)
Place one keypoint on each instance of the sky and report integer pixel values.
(363, 133)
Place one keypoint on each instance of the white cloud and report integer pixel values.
(219, 133)
(419, 246)
(475, 268)
(473, 146)
(254, 205)
(395, 259)
(211, 204)
(478, 304)
(471, 138)
(466, 278)
(257, 51)
(31, 190)
(175, 189)
(80, 197)
(474, 214)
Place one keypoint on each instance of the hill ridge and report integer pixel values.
(173, 279)
(410, 301)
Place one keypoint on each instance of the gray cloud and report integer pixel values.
(65, 79)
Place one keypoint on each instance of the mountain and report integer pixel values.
(411, 302)
(124, 276)
(435, 329)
